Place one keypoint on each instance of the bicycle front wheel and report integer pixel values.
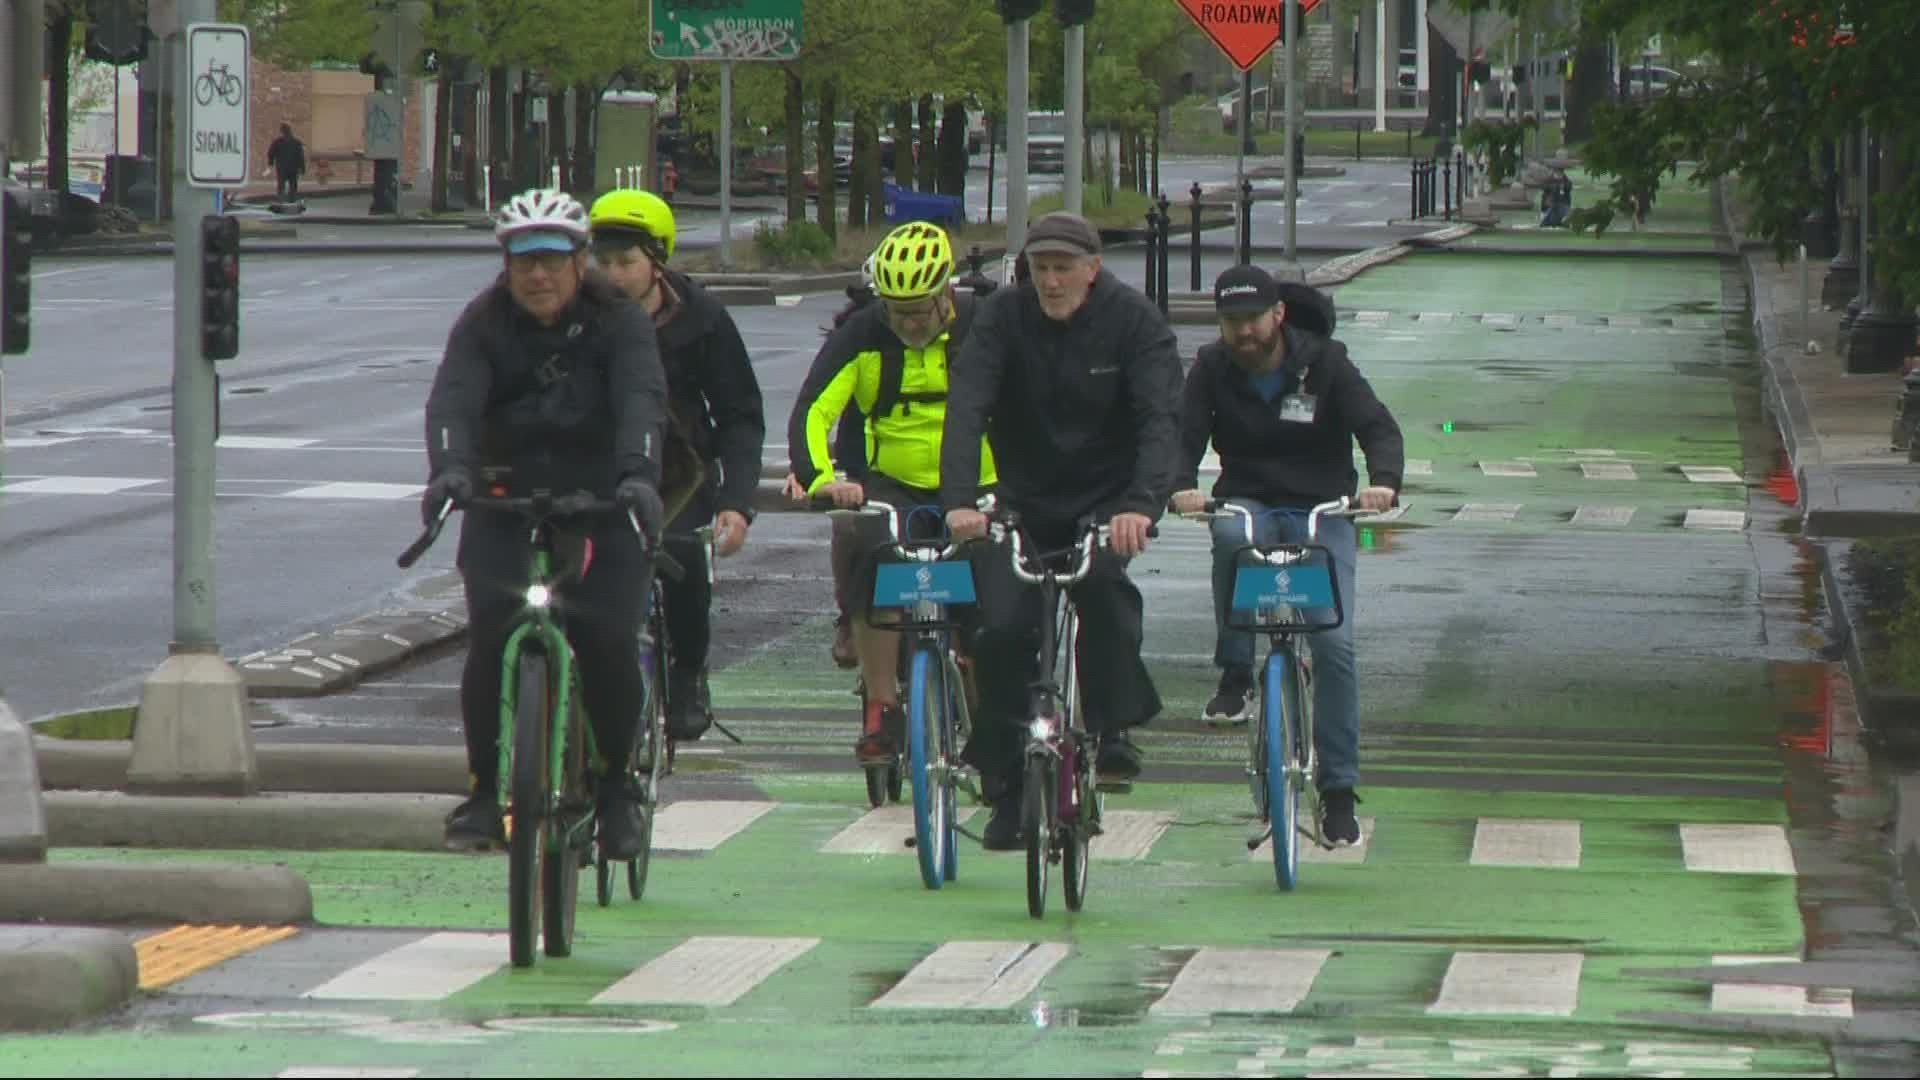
(924, 695)
(528, 798)
(1283, 785)
(1036, 821)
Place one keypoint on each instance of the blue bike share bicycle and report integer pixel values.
(915, 586)
(1274, 587)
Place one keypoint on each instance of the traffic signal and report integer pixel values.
(1073, 12)
(16, 273)
(1014, 10)
(220, 287)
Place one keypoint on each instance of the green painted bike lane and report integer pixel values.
(1520, 670)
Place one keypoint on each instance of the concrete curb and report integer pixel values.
(273, 822)
(1566, 250)
(283, 767)
(1891, 716)
(111, 893)
(337, 658)
(23, 823)
(57, 976)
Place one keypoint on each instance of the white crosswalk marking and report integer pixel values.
(1715, 520)
(1607, 470)
(1736, 849)
(77, 485)
(1710, 474)
(1778, 999)
(702, 825)
(1526, 843)
(1623, 320)
(1437, 317)
(1241, 981)
(1129, 834)
(1509, 468)
(1509, 984)
(705, 971)
(1500, 320)
(1419, 467)
(974, 975)
(261, 442)
(428, 969)
(1476, 512)
(36, 442)
(1603, 515)
(347, 1072)
(1313, 853)
(883, 830)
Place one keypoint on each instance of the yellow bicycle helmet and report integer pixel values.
(630, 210)
(913, 262)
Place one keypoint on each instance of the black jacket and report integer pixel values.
(1279, 462)
(579, 405)
(716, 408)
(1081, 414)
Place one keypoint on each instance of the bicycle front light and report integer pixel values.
(1041, 728)
(539, 596)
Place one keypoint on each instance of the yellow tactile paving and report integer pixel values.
(172, 955)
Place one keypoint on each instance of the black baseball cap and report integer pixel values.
(1244, 290)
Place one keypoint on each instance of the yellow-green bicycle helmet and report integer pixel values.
(631, 210)
(913, 262)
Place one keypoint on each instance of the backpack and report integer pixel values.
(893, 361)
(1307, 307)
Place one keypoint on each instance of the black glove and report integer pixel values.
(637, 495)
(451, 485)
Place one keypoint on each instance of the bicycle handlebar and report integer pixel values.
(538, 507)
(894, 518)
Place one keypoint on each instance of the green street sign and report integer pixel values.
(726, 29)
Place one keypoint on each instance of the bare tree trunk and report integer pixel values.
(1443, 80)
(952, 174)
(585, 158)
(903, 144)
(442, 138)
(857, 179)
(826, 209)
(1590, 85)
(59, 64)
(876, 194)
(927, 162)
(1126, 159)
(501, 132)
(796, 137)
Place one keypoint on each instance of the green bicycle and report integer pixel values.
(547, 756)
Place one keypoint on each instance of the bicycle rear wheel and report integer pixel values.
(650, 752)
(533, 696)
(1037, 821)
(567, 835)
(1283, 786)
(1078, 827)
(930, 833)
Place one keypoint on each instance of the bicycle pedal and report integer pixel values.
(1254, 841)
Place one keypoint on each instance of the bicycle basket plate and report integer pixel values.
(904, 584)
(1299, 586)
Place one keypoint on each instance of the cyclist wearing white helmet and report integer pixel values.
(551, 380)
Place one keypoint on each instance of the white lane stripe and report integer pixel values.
(1779, 999)
(1543, 844)
(77, 485)
(354, 490)
(702, 825)
(1736, 849)
(974, 975)
(1509, 984)
(35, 442)
(1129, 834)
(346, 1072)
(427, 969)
(1311, 852)
(705, 971)
(883, 830)
(1241, 981)
(261, 442)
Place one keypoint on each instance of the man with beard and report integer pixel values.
(1283, 406)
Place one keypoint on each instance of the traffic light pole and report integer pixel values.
(192, 733)
(1016, 141)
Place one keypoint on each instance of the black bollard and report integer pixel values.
(1460, 180)
(1166, 236)
(1193, 251)
(1446, 187)
(1243, 248)
(1413, 170)
(1153, 263)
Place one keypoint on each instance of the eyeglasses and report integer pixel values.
(551, 262)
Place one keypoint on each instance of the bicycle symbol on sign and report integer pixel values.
(217, 79)
(380, 125)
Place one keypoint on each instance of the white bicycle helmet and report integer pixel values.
(866, 273)
(543, 210)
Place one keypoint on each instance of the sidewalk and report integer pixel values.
(1854, 488)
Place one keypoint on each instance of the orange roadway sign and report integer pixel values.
(1244, 29)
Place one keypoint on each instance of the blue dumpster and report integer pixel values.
(903, 205)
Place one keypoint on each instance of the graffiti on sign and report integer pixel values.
(742, 39)
(726, 29)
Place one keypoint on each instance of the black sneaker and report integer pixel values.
(1232, 703)
(689, 705)
(475, 825)
(1337, 822)
(1003, 828)
(622, 833)
(1118, 758)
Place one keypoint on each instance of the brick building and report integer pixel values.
(327, 110)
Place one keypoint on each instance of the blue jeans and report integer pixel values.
(1336, 687)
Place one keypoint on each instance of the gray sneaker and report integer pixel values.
(1232, 703)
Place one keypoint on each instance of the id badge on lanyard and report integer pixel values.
(1298, 407)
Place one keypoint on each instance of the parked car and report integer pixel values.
(1047, 142)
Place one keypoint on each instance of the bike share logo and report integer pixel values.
(923, 577)
(1281, 581)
